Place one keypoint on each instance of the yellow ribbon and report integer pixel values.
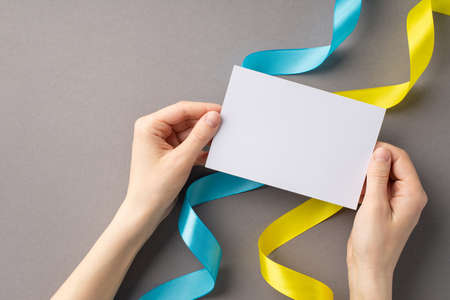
(420, 32)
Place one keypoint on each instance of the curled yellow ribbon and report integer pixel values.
(420, 32)
(296, 221)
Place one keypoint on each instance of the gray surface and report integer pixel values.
(75, 74)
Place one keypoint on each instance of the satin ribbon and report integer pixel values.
(295, 61)
(199, 239)
(287, 281)
(420, 32)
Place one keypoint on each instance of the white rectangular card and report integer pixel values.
(294, 137)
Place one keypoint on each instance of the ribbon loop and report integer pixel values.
(199, 239)
(296, 61)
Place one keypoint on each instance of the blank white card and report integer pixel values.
(294, 137)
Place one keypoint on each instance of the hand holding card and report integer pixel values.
(295, 137)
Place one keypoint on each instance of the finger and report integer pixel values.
(184, 134)
(200, 135)
(148, 126)
(402, 166)
(184, 110)
(378, 177)
(408, 196)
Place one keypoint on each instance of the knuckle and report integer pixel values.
(182, 103)
(139, 124)
(182, 107)
(403, 153)
(143, 125)
(424, 199)
(419, 202)
(378, 173)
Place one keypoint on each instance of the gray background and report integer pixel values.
(74, 75)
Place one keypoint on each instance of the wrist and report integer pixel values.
(367, 283)
(134, 223)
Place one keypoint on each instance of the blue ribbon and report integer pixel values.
(194, 232)
(198, 237)
(295, 61)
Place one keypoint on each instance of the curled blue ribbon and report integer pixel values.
(295, 61)
(198, 237)
(194, 232)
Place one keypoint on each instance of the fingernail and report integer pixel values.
(382, 154)
(212, 118)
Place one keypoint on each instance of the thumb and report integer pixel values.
(203, 131)
(378, 175)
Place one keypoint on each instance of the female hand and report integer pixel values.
(166, 145)
(391, 207)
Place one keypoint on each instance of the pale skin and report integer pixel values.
(169, 142)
